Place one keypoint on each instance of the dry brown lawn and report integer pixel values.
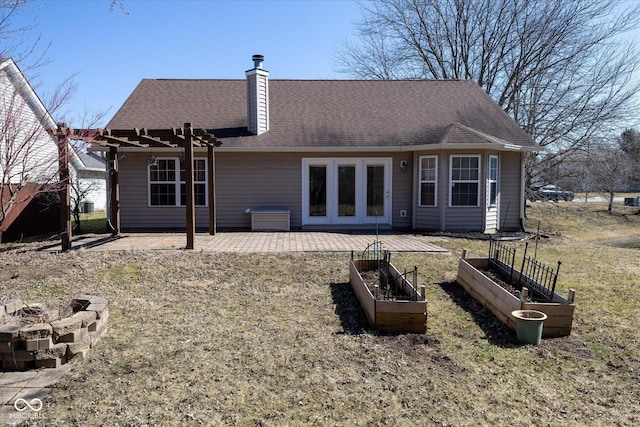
(279, 339)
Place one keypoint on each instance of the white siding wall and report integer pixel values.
(97, 185)
(25, 146)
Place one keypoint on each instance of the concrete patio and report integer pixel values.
(259, 242)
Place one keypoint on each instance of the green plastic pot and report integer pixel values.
(529, 325)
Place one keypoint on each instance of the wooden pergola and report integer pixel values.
(185, 137)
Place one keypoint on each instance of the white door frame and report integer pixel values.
(332, 165)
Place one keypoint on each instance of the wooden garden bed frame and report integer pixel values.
(501, 302)
(389, 316)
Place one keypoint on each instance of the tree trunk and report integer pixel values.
(611, 193)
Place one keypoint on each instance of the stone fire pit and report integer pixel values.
(28, 339)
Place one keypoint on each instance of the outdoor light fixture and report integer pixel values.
(152, 161)
(122, 157)
(403, 165)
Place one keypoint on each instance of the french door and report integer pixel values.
(346, 191)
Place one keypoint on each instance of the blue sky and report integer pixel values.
(110, 51)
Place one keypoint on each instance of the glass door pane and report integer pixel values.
(375, 190)
(346, 191)
(317, 191)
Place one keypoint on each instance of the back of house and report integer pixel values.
(326, 155)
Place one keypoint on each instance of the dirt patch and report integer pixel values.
(387, 291)
(497, 277)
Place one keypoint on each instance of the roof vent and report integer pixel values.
(257, 61)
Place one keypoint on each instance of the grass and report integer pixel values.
(93, 223)
(279, 339)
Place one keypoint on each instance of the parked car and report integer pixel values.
(553, 192)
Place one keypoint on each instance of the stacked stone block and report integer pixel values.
(49, 345)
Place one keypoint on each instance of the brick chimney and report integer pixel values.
(257, 97)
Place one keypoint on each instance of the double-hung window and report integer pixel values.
(428, 180)
(162, 182)
(167, 185)
(465, 180)
(199, 183)
(492, 177)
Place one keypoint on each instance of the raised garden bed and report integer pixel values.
(390, 302)
(498, 285)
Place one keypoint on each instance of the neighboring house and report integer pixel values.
(28, 157)
(89, 180)
(334, 154)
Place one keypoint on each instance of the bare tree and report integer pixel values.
(32, 159)
(610, 169)
(629, 142)
(28, 153)
(18, 41)
(79, 191)
(559, 67)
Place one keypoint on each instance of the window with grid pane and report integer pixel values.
(493, 180)
(162, 183)
(465, 181)
(428, 180)
(199, 183)
(167, 185)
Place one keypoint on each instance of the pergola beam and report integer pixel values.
(185, 137)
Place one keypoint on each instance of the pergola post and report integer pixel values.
(188, 170)
(64, 193)
(144, 138)
(211, 165)
(114, 186)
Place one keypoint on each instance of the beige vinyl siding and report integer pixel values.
(135, 212)
(256, 181)
(509, 185)
(461, 218)
(402, 191)
(430, 217)
(274, 180)
(244, 181)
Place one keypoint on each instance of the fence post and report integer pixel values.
(513, 260)
(524, 258)
(555, 279)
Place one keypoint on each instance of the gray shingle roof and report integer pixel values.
(327, 113)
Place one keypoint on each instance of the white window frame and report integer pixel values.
(453, 182)
(177, 182)
(433, 181)
(492, 180)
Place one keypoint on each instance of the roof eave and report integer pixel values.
(384, 149)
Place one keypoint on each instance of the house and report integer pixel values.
(326, 155)
(28, 158)
(88, 180)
